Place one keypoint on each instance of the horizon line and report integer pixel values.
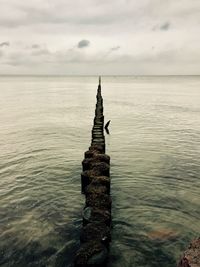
(104, 75)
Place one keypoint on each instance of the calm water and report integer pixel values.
(154, 144)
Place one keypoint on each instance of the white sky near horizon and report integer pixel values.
(90, 37)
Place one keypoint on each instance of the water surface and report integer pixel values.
(154, 145)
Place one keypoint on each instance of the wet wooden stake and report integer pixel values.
(95, 183)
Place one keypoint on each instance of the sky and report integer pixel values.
(100, 37)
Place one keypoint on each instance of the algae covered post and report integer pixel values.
(95, 183)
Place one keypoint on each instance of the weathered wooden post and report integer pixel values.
(95, 180)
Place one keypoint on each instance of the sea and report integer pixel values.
(154, 145)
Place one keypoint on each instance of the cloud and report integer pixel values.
(15, 14)
(165, 26)
(162, 27)
(4, 44)
(109, 52)
(40, 52)
(115, 48)
(118, 34)
(83, 43)
(35, 46)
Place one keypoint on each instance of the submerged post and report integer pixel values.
(95, 182)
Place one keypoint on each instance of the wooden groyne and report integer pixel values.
(95, 180)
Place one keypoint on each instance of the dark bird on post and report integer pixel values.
(106, 127)
(107, 124)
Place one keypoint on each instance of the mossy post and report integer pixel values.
(95, 183)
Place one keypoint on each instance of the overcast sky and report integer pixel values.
(127, 37)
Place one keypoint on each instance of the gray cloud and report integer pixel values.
(3, 44)
(162, 27)
(35, 46)
(41, 51)
(128, 24)
(73, 60)
(165, 26)
(83, 43)
(115, 48)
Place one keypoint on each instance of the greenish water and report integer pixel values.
(154, 145)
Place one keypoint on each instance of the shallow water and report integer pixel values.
(154, 145)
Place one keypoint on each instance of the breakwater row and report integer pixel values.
(95, 181)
